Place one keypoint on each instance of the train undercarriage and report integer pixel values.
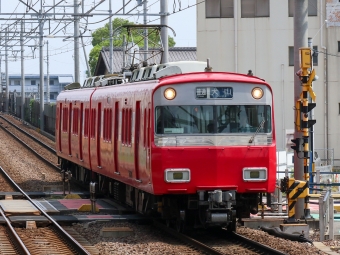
(207, 208)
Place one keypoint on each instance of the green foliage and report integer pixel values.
(100, 38)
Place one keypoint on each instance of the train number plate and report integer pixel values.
(214, 92)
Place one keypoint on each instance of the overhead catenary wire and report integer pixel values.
(64, 48)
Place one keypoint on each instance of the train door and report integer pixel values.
(115, 137)
(59, 125)
(69, 129)
(137, 134)
(99, 133)
(81, 132)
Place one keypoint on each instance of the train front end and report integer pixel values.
(214, 146)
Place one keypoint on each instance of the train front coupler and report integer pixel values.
(218, 207)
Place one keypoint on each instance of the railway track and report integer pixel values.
(41, 149)
(219, 242)
(32, 143)
(33, 239)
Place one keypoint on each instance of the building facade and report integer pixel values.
(32, 86)
(258, 35)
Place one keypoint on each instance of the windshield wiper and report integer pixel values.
(257, 130)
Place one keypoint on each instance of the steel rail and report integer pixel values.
(14, 233)
(187, 239)
(33, 151)
(80, 249)
(28, 134)
(258, 246)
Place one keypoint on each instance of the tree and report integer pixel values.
(100, 38)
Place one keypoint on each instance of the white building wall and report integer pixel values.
(261, 45)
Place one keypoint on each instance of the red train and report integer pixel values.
(195, 146)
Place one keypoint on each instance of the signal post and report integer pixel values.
(295, 188)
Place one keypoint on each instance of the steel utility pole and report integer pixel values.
(22, 70)
(76, 42)
(164, 33)
(111, 40)
(146, 41)
(41, 67)
(0, 70)
(300, 40)
(48, 76)
(6, 70)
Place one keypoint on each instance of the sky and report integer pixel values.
(182, 20)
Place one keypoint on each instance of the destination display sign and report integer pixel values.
(214, 92)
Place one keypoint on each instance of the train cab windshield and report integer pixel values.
(212, 119)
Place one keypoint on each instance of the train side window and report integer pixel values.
(148, 129)
(93, 123)
(75, 121)
(86, 123)
(129, 126)
(123, 127)
(110, 125)
(65, 119)
(144, 129)
(105, 125)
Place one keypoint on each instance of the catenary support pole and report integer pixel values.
(300, 40)
(164, 32)
(111, 39)
(41, 65)
(76, 41)
(48, 75)
(22, 71)
(6, 70)
(146, 40)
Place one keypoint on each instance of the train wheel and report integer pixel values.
(179, 225)
(180, 221)
(168, 223)
(232, 226)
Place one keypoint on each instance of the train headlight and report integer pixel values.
(255, 174)
(170, 93)
(257, 93)
(175, 175)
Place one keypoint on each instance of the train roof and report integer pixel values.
(170, 73)
(215, 76)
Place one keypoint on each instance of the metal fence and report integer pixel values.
(32, 112)
(326, 215)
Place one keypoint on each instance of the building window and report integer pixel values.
(16, 82)
(33, 82)
(254, 8)
(312, 8)
(219, 8)
(338, 44)
(291, 55)
(51, 82)
(315, 55)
